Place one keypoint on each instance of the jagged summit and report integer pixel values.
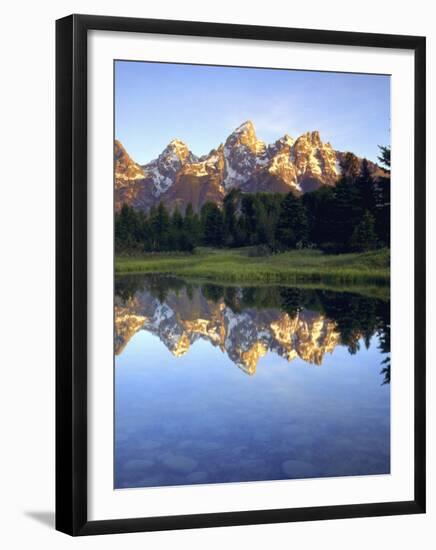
(246, 126)
(177, 148)
(287, 140)
(178, 177)
(177, 142)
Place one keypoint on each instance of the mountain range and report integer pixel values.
(178, 177)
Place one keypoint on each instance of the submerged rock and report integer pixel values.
(180, 463)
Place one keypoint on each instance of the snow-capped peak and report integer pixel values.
(177, 148)
(163, 171)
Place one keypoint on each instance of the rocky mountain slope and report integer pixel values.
(177, 177)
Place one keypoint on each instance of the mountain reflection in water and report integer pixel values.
(246, 323)
(185, 415)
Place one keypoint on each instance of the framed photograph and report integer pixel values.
(240, 289)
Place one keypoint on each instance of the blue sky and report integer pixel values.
(202, 105)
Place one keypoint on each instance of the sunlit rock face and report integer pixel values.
(244, 336)
(129, 178)
(177, 177)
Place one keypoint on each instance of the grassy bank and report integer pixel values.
(239, 265)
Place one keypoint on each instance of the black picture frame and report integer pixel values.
(71, 274)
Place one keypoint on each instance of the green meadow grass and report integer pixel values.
(240, 266)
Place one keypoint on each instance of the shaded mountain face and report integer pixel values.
(177, 177)
(245, 336)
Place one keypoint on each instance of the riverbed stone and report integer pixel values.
(180, 463)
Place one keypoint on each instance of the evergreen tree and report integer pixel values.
(365, 187)
(364, 237)
(192, 225)
(176, 230)
(319, 211)
(146, 243)
(265, 227)
(160, 228)
(129, 227)
(385, 157)
(121, 227)
(149, 240)
(230, 205)
(177, 220)
(353, 214)
(345, 213)
(249, 213)
(213, 225)
(240, 235)
(292, 227)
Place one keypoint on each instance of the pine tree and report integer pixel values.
(240, 235)
(176, 230)
(129, 227)
(249, 213)
(292, 225)
(122, 226)
(345, 213)
(365, 187)
(320, 216)
(146, 234)
(192, 226)
(177, 220)
(364, 237)
(160, 226)
(230, 204)
(213, 225)
(385, 157)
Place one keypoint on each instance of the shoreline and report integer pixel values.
(241, 266)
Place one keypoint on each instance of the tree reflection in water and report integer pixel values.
(356, 318)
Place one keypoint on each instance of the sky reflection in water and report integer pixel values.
(309, 408)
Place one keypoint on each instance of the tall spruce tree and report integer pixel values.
(385, 157)
(292, 227)
(345, 213)
(176, 230)
(160, 227)
(248, 208)
(213, 225)
(382, 211)
(129, 228)
(192, 225)
(230, 205)
(365, 187)
(320, 215)
(364, 237)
